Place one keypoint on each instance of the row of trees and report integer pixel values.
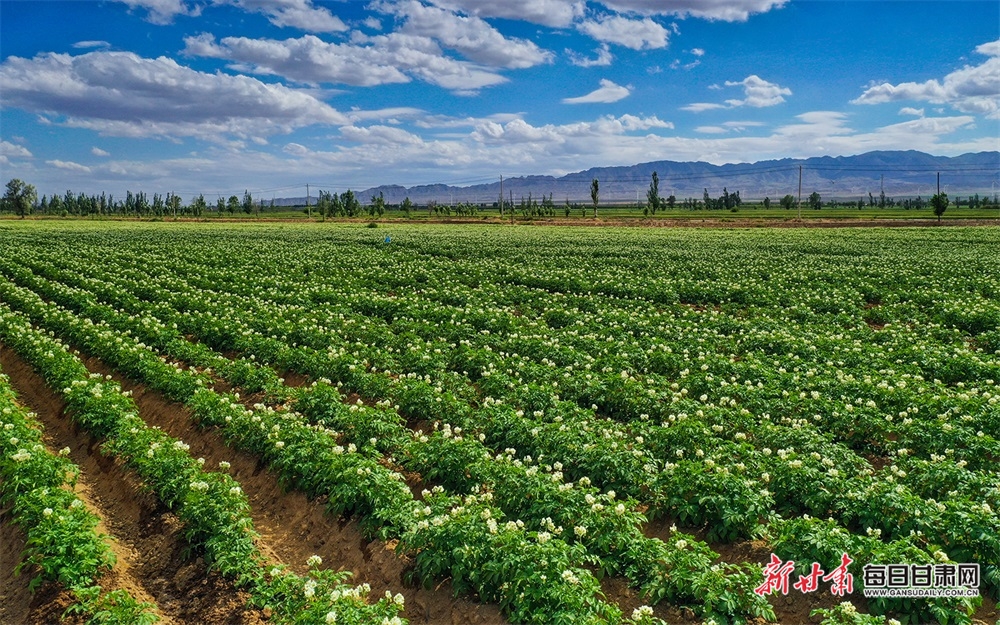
(22, 199)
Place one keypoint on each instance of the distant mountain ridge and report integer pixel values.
(899, 173)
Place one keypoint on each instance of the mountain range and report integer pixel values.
(898, 173)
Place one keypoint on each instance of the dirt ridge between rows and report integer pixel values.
(292, 527)
(147, 538)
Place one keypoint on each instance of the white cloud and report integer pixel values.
(120, 93)
(697, 52)
(909, 110)
(373, 22)
(726, 127)
(163, 11)
(555, 13)
(471, 37)
(608, 92)
(366, 61)
(306, 59)
(973, 89)
(12, 150)
(700, 107)
(91, 44)
(69, 166)
(637, 34)
(382, 135)
(759, 92)
(603, 58)
(299, 14)
(726, 10)
(96, 151)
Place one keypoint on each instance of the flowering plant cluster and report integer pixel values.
(732, 381)
(212, 506)
(36, 486)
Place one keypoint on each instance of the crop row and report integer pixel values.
(210, 504)
(847, 483)
(36, 486)
(367, 380)
(608, 528)
(356, 483)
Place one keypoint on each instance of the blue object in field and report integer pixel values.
(388, 239)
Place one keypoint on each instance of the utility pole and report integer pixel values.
(307, 200)
(800, 193)
(501, 196)
(939, 183)
(511, 191)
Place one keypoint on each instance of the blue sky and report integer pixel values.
(218, 96)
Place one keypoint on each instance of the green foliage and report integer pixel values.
(19, 197)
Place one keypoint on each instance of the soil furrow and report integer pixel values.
(293, 528)
(148, 539)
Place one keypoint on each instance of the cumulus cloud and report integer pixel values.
(608, 92)
(757, 91)
(366, 61)
(378, 134)
(163, 11)
(555, 13)
(69, 166)
(121, 93)
(519, 131)
(637, 34)
(973, 89)
(726, 10)
(12, 150)
(96, 151)
(305, 59)
(909, 110)
(299, 14)
(602, 59)
(470, 36)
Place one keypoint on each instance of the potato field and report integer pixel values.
(329, 423)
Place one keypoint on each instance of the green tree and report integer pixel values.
(653, 194)
(247, 202)
(407, 207)
(220, 206)
(378, 204)
(158, 204)
(174, 204)
(232, 204)
(199, 205)
(351, 205)
(20, 197)
(595, 189)
(940, 204)
(323, 205)
(788, 202)
(814, 201)
(767, 203)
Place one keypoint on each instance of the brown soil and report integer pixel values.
(147, 538)
(292, 527)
